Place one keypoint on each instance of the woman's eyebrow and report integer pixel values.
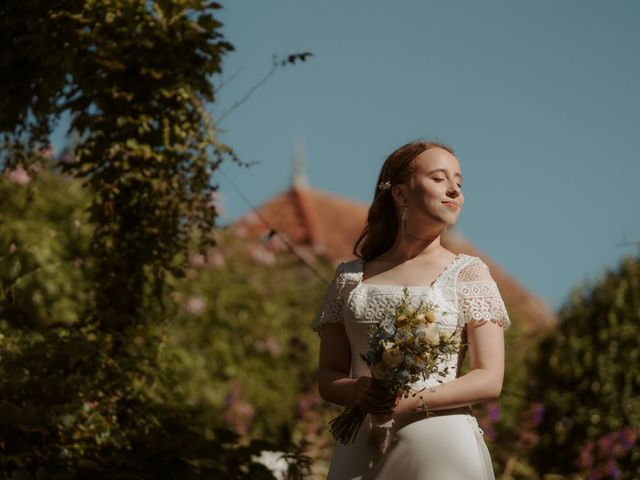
(444, 171)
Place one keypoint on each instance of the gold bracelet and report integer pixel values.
(422, 404)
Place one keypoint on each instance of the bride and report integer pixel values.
(433, 435)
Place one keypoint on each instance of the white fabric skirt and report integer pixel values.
(446, 447)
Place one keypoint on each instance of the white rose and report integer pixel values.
(428, 335)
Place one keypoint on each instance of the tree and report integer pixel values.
(135, 76)
(87, 398)
(588, 375)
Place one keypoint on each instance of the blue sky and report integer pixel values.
(540, 100)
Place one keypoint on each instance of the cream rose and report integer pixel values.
(428, 335)
(393, 358)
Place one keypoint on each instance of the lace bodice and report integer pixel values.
(464, 291)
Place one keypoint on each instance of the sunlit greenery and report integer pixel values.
(588, 375)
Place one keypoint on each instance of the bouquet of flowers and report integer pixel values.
(404, 347)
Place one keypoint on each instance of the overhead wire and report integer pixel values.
(272, 230)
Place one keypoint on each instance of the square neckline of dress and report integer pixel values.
(411, 287)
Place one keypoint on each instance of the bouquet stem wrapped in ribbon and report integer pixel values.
(404, 347)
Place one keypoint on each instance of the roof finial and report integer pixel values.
(299, 178)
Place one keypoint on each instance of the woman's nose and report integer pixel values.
(454, 190)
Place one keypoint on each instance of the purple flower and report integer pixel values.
(538, 413)
(494, 412)
(613, 469)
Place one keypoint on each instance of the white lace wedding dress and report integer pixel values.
(446, 447)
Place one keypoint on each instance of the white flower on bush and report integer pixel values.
(261, 255)
(275, 462)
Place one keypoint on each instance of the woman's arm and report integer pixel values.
(334, 380)
(483, 382)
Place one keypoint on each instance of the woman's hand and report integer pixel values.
(371, 398)
(410, 404)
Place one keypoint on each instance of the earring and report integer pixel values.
(405, 215)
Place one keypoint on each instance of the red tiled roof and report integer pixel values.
(306, 216)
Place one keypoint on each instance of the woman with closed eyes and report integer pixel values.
(418, 196)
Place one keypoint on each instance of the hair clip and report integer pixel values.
(384, 185)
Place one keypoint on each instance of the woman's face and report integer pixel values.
(435, 192)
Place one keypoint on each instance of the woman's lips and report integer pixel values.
(453, 205)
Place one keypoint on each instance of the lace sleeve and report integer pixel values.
(478, 296)
(331, 308)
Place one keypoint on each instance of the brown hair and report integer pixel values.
(382, 220)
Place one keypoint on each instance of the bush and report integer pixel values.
(69, 407)
(588, 376)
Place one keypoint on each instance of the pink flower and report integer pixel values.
(197, 260)
(195, 305)
(307, 402)
(306, 255)
(239, 416)
(270, 345)
(46, 152)
(252, 219)
(239, 412)
(68, 157)
(279, 243)
(215, 201)
(35, 168)
(586, 457)
(240, 232)
(216, 259)
(19, 176)
(261, 255)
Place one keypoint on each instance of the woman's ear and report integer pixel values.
(398, 194)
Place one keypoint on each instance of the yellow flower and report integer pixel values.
(430, 317)
(393, 358)
(401, 320)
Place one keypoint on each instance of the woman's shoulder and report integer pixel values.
(349, 270)
(472, 268)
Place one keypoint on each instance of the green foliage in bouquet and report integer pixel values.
(588, 376)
